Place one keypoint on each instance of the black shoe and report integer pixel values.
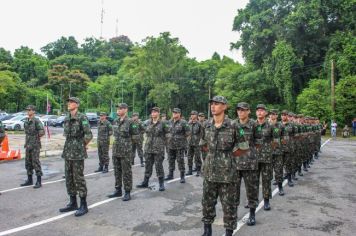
(182, 179)
(127, 196)
(251, 219)
(198, 172)
(142, 164)
(207, 230)
(71, 206)
(161, 184)
(229, 232)
(305, 166)
(117, 193)
(83, 209)
(29, 181)
(247, 206)
(290, 182)
(106, 169)
(100, 169)
(280, 189)
(169, 176)
(266, 205)
(144, 183)
(190, 171)
(38, 182)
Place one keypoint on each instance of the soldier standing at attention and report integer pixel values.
(137, 138)
(122, 153)
(247, 164)
(223, 143)
(104, 133)
(202, 121)
(287, 148)
(156, 132)
(196, 130)
(164, 119)
(263, 137)
(78, 135)
(34, 131)
(179, 131)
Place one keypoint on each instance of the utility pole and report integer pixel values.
(332, 87)
(117, 28)
(102, 19)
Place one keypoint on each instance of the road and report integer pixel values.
(323, 202)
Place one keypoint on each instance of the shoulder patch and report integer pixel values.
(242, 132)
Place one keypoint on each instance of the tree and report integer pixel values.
(61, 47)
(5, 56)
(345, 92)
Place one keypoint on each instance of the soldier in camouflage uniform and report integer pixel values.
(202, 121)
(156, 132)
(277, 153)
(196, 131)
(122, 153)
(104, 133)
(78, 135)
(264, 143)
(179, 131)
(247, 164)
(223, 142)
(34, 131)
(164, 119)
(137, 138)
(287, 145)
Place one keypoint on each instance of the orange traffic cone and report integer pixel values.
(5, 144)
(6, 153)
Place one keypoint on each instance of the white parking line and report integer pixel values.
(243, 221)
(61, 216)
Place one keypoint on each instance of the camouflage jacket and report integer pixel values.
(220, 165)
(137, 130)
(156, 134)
(287, 135)
(263, 141)
(179, 131)
(104, 131)
(34, 131)
(248, 161)
(123, 132)
(277, 133)
(196, 131)
(77, 133)
(2, 132)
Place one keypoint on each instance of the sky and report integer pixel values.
(202, 26)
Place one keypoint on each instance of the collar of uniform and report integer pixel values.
(75, 117)
(248, 124)
(224, 123)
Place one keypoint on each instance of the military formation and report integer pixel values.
(221, 150)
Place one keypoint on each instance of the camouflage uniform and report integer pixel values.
(122, 153)
(196, 130)
(77, 133)
(104, 133)
(277, 152)
(220, 170)
(34, 130)
(287, 137)
(137, 140)
(2, 132)
(203, 124)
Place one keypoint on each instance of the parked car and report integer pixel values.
(2, 114)
(8, 117)
(58, 122)
(15, 123)
(48, 119)
(93, 118)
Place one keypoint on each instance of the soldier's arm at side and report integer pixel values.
(88, 135)
(39, 127)
(110, 128)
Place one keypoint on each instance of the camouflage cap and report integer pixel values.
(103, 114)
(274, 111)
(163, 114)
(261, 106)
(219, 99)
(201, 114)
(155, 109)
(300, 116)
(74, 99)
(31, 107)
(194, 113)
(135, 114)
(284, 112)
(243, 105)
(290, 114)
(122, 105)
(176, 110)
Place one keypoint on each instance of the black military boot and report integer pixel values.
(316, 155)
(300, 171)
(294, 177)
(251, 219)
(106, 169)
(290, 182)
(161, 184)
(207, 230)
(83, 209)
(190, 171)
(266, 205)
(305, 166)
(38, 182)
(229, 232)
(144, 183)
(169, 176)
(198, 171)
(308, 166)
(182, 179)
(127, 196)
(142, 164)
(280, 189)
(117, 193)
(71, 206)
(100, 169)
(28, 182)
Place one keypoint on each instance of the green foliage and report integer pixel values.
(61, 47)
(345, 93)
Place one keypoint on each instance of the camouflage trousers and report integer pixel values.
(194, 153)
(288, 162)
(173, 155)
(228, 198)
(137, 145)
(157, 161)
(75, 181)
(266, 170)
(103, 153)
(32, 161)
(251, 185)
(278, 161)
(123, 172)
